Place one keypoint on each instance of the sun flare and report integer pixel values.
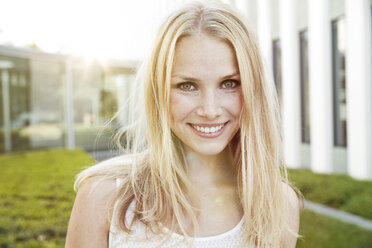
(96, 30)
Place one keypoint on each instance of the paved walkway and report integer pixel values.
(315, 207)
(343, 216)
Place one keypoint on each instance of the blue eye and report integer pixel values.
(229, 84)
(186, 86)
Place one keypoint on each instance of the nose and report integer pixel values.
(209, 106)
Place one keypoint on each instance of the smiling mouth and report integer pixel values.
(208, 129)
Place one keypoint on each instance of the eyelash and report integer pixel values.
(182, 86)
(234, 83)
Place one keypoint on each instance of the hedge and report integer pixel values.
(335, 190)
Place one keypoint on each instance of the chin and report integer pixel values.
(208, 150)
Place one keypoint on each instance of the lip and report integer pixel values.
(208, 125)
(209, 135)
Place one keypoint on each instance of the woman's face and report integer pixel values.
(206, 98)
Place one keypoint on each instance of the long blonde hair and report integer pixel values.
(154, 167)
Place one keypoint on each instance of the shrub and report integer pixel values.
(335, 190)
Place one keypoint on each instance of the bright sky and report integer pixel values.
(121, 29)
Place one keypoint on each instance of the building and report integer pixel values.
(317, 51)
(49, 100)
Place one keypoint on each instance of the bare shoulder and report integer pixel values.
(294, 207)
(89, 221)
(293, 195)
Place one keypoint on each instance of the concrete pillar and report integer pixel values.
(6, 110)
(291, 122)
(96, 102)
(264, 16)
(69, 107)
(122, 94)
(359, 88)
(320, 86)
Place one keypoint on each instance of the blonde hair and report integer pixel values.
(154, 167)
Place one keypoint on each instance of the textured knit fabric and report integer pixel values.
(141, 238)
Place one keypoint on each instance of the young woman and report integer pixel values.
(202, 166)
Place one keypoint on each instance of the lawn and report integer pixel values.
(36, 197)
(319, 231)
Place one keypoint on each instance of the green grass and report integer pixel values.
(337, 191)
(36, 196)
(324, 232)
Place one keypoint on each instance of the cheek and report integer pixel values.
(235, 103)
(239, 103)
(180, 106)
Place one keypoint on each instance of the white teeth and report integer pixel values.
(208, 129)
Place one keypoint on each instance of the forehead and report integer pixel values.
(203, 54)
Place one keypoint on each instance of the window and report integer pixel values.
(277, 57)
(339, 83)
(2, 129)
(98, 91)
(15, 103)
(305, 98)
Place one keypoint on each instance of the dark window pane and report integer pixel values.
(339, 82)
(277, 57)
(305, 99)
(15, 103)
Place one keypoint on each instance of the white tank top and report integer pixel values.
(141, 238)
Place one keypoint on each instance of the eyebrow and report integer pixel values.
(188, 78)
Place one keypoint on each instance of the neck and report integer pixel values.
(211, 170)
(214, 180)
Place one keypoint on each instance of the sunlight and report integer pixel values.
(97, 30)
